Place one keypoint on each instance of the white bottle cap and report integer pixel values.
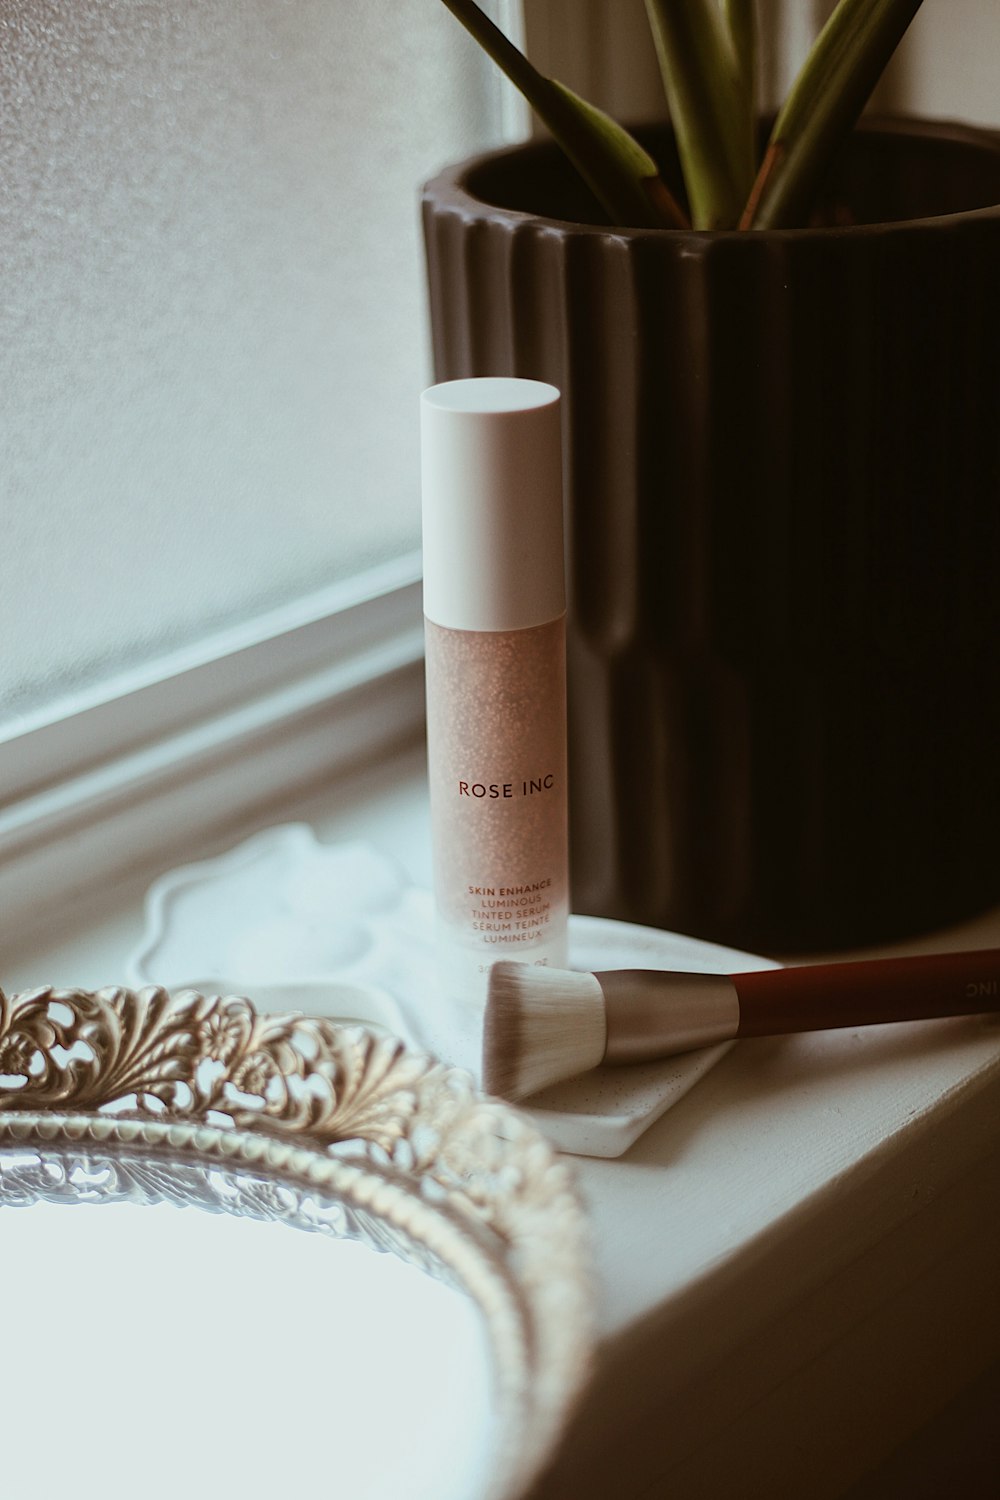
(492, 504)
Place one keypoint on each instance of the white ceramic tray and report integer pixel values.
(338, 930)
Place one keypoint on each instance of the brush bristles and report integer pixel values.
(541, 1025)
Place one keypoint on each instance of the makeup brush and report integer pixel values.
(543, 1025)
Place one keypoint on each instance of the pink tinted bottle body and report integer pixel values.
(496, 725)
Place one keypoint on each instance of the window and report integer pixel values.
(213, 326)
(212, 337)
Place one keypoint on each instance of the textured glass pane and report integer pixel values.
(212, 325)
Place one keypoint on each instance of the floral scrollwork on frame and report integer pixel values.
(191, 1055)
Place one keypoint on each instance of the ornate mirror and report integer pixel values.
(164, 1315)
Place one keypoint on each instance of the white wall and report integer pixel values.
(948, 65)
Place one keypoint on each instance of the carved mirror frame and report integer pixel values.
(403, 1152)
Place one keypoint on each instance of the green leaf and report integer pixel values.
(741, 19)
(837, 78)
(619, 172)
(707, 106)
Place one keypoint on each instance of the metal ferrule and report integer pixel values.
(652, 1014)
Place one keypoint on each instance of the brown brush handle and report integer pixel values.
(814, 997)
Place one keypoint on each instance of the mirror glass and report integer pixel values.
(159, 1348)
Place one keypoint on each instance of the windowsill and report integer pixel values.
(796, 1263)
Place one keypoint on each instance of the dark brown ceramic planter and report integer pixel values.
(783, 504)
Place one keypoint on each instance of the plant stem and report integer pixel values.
(620, 173)
(707, 107)
(741, 19)
(846, 61)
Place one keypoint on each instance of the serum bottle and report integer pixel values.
(494, 607)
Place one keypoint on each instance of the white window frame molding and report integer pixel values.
(111, 784)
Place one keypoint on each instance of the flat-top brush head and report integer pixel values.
(541, 1025)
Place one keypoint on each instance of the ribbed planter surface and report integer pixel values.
(783, 504)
